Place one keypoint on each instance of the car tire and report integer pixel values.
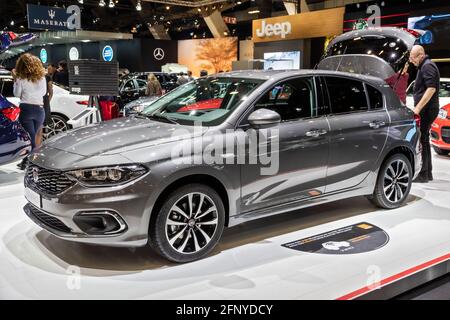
(57, 125)
(188, 224)
(393, 182)
(440, 151)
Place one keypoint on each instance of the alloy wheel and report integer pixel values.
(56, 126)
(396, 181)
(191, 223)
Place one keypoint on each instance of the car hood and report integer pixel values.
(121, 135)
(378, 52)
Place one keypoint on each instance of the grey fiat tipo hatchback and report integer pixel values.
(169, 176)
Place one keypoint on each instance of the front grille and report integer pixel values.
(445, 131)
(47, 181)
(48, 220)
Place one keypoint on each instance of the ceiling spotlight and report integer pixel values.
(101, 3)
(80, 1)
(167, 8)
(12, 22)
(111, 4)
(199, 9)
(138, 5)
(225, 33)
(239, 2)
(358, 5)
(382, 3)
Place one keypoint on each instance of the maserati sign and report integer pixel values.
(53, 18)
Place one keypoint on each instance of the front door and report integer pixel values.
(302, 151)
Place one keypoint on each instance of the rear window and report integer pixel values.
(346, 95)
(375, 98)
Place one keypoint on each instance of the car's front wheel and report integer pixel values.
(393, 182)
(189, 223)
(57, 125)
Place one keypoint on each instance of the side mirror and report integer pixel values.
(264, 118)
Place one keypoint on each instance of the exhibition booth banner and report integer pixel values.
(314, 24)
(212, 55)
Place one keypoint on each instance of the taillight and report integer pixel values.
(84, 103)
(12, 113)
(417, 120)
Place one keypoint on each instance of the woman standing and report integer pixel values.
(30, 86)
(153, 86)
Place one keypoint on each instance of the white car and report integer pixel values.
(64, 106)
(444, 94)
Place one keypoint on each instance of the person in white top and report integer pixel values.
(30, 86)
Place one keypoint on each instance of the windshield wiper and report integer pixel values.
(158, 116)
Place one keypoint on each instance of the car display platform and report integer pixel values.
(342, 250)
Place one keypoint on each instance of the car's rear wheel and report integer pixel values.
(189, 224)
(440, 151)
(57, 125)
(393, 182)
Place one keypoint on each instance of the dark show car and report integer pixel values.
(134, 85)
(333, 135)
(14, 140)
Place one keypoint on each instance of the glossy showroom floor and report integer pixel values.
(249, 263)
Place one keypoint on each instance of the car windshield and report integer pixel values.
(207, 100)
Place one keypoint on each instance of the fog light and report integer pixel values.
(100, 223)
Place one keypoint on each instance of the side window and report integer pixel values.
(346, 95)
(6, 87)
(292, 99)
(129, 85)
(375, 98)
(142, 83)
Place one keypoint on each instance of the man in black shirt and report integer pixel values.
(62, 75)
(426, 101)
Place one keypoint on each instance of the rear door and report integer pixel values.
(359, 125)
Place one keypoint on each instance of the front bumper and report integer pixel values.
(440, 134)
(129, 203)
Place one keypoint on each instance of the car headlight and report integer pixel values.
(107, 176)
(442, 113)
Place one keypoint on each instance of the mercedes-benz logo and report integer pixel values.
(158, 53)
(35, 172)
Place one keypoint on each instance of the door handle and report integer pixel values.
(315, 133)
(376, 124)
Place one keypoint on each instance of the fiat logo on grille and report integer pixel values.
(35, 173)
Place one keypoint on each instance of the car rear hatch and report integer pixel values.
(379, 52)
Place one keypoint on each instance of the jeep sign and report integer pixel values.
(320, 23)
(277, 29)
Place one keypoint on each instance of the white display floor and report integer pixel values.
(249, 263)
